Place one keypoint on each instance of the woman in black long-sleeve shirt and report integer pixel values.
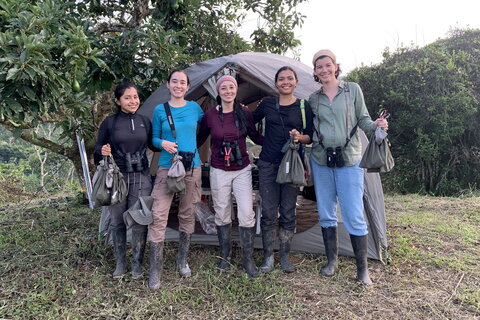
(283, 117)
(125, 136)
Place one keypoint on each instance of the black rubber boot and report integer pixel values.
(139, 238)
(225, 241)
(119, 236)
(156, 265)
(184, 245)
(330, 240)
(268, 239)
(360, 245)
(285, 241)
(247, 237)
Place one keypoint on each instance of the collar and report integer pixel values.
(341, 86)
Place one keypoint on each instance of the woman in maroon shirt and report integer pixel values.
(229, 124)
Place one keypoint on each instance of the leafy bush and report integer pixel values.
(433, 95)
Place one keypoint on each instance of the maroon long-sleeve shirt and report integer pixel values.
(226, 130)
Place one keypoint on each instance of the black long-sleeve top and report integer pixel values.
(131, 133)
(278, 123)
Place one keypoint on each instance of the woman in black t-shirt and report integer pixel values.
(283, 118)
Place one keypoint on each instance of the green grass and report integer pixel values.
(53, 266)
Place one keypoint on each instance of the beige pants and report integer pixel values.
(162, 201)
(222, 184)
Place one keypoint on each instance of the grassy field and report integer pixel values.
(52, 266)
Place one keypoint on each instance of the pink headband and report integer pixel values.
(224, 78)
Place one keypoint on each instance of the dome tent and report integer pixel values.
(255, 74)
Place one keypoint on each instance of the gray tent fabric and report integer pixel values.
(255, 74)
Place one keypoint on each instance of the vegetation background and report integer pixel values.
(58, 64)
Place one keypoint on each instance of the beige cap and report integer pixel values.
(324, 52)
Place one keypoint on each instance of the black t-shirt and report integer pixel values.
(279, 120)
(131, 133)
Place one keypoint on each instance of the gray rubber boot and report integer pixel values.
(225, 241)
(285, 241)
(139, 238)
(330, 240)
(184, 245)
(247, 237)
(119, 236)
(268, 239)
(360, 245)
(156, 265)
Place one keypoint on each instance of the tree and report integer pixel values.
(60, 60)
(433, 94)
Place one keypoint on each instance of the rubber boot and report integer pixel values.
(330, 240)
(156, 265)
(285, 241)
(225, 241)
(360, 245)
(184, 245)
(139, 238)
(119, 236)
(247, 237)
(268, 239)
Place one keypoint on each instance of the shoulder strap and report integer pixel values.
(111, 130)
(347, 114)
(170, 119)
(302, 109)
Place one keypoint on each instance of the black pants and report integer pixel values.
(139, 184)
(276, 198)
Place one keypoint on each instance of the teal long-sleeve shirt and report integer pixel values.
(186, 120)
(330, 122)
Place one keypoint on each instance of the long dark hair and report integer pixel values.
(239, 114)
(120, 90)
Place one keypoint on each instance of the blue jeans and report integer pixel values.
(276, 199)
(344, 185)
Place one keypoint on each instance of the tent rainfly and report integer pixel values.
(255, 74)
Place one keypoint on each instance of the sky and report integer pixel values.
(358, 31)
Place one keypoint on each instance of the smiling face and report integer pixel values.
(286, 82)
(325, 70)
(129, 101)
(227, 92)
(178, 85)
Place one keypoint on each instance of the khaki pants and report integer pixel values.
(223, 183)
(162, 201)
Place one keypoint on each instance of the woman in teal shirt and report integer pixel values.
(186, 117)
(338, 107)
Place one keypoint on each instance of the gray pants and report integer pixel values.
(276, 198)
(139, 184)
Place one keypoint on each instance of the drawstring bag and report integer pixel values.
(291, 170)
(109, 187)
(176, 175)
(377, 156)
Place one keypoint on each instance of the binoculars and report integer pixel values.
(335, 157)
(230, 151)
(133, 160)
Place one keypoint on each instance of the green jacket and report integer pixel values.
(330, 122)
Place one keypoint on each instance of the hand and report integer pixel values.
(106, 150)
(382, 123)
(170, 147)
(295, 134)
